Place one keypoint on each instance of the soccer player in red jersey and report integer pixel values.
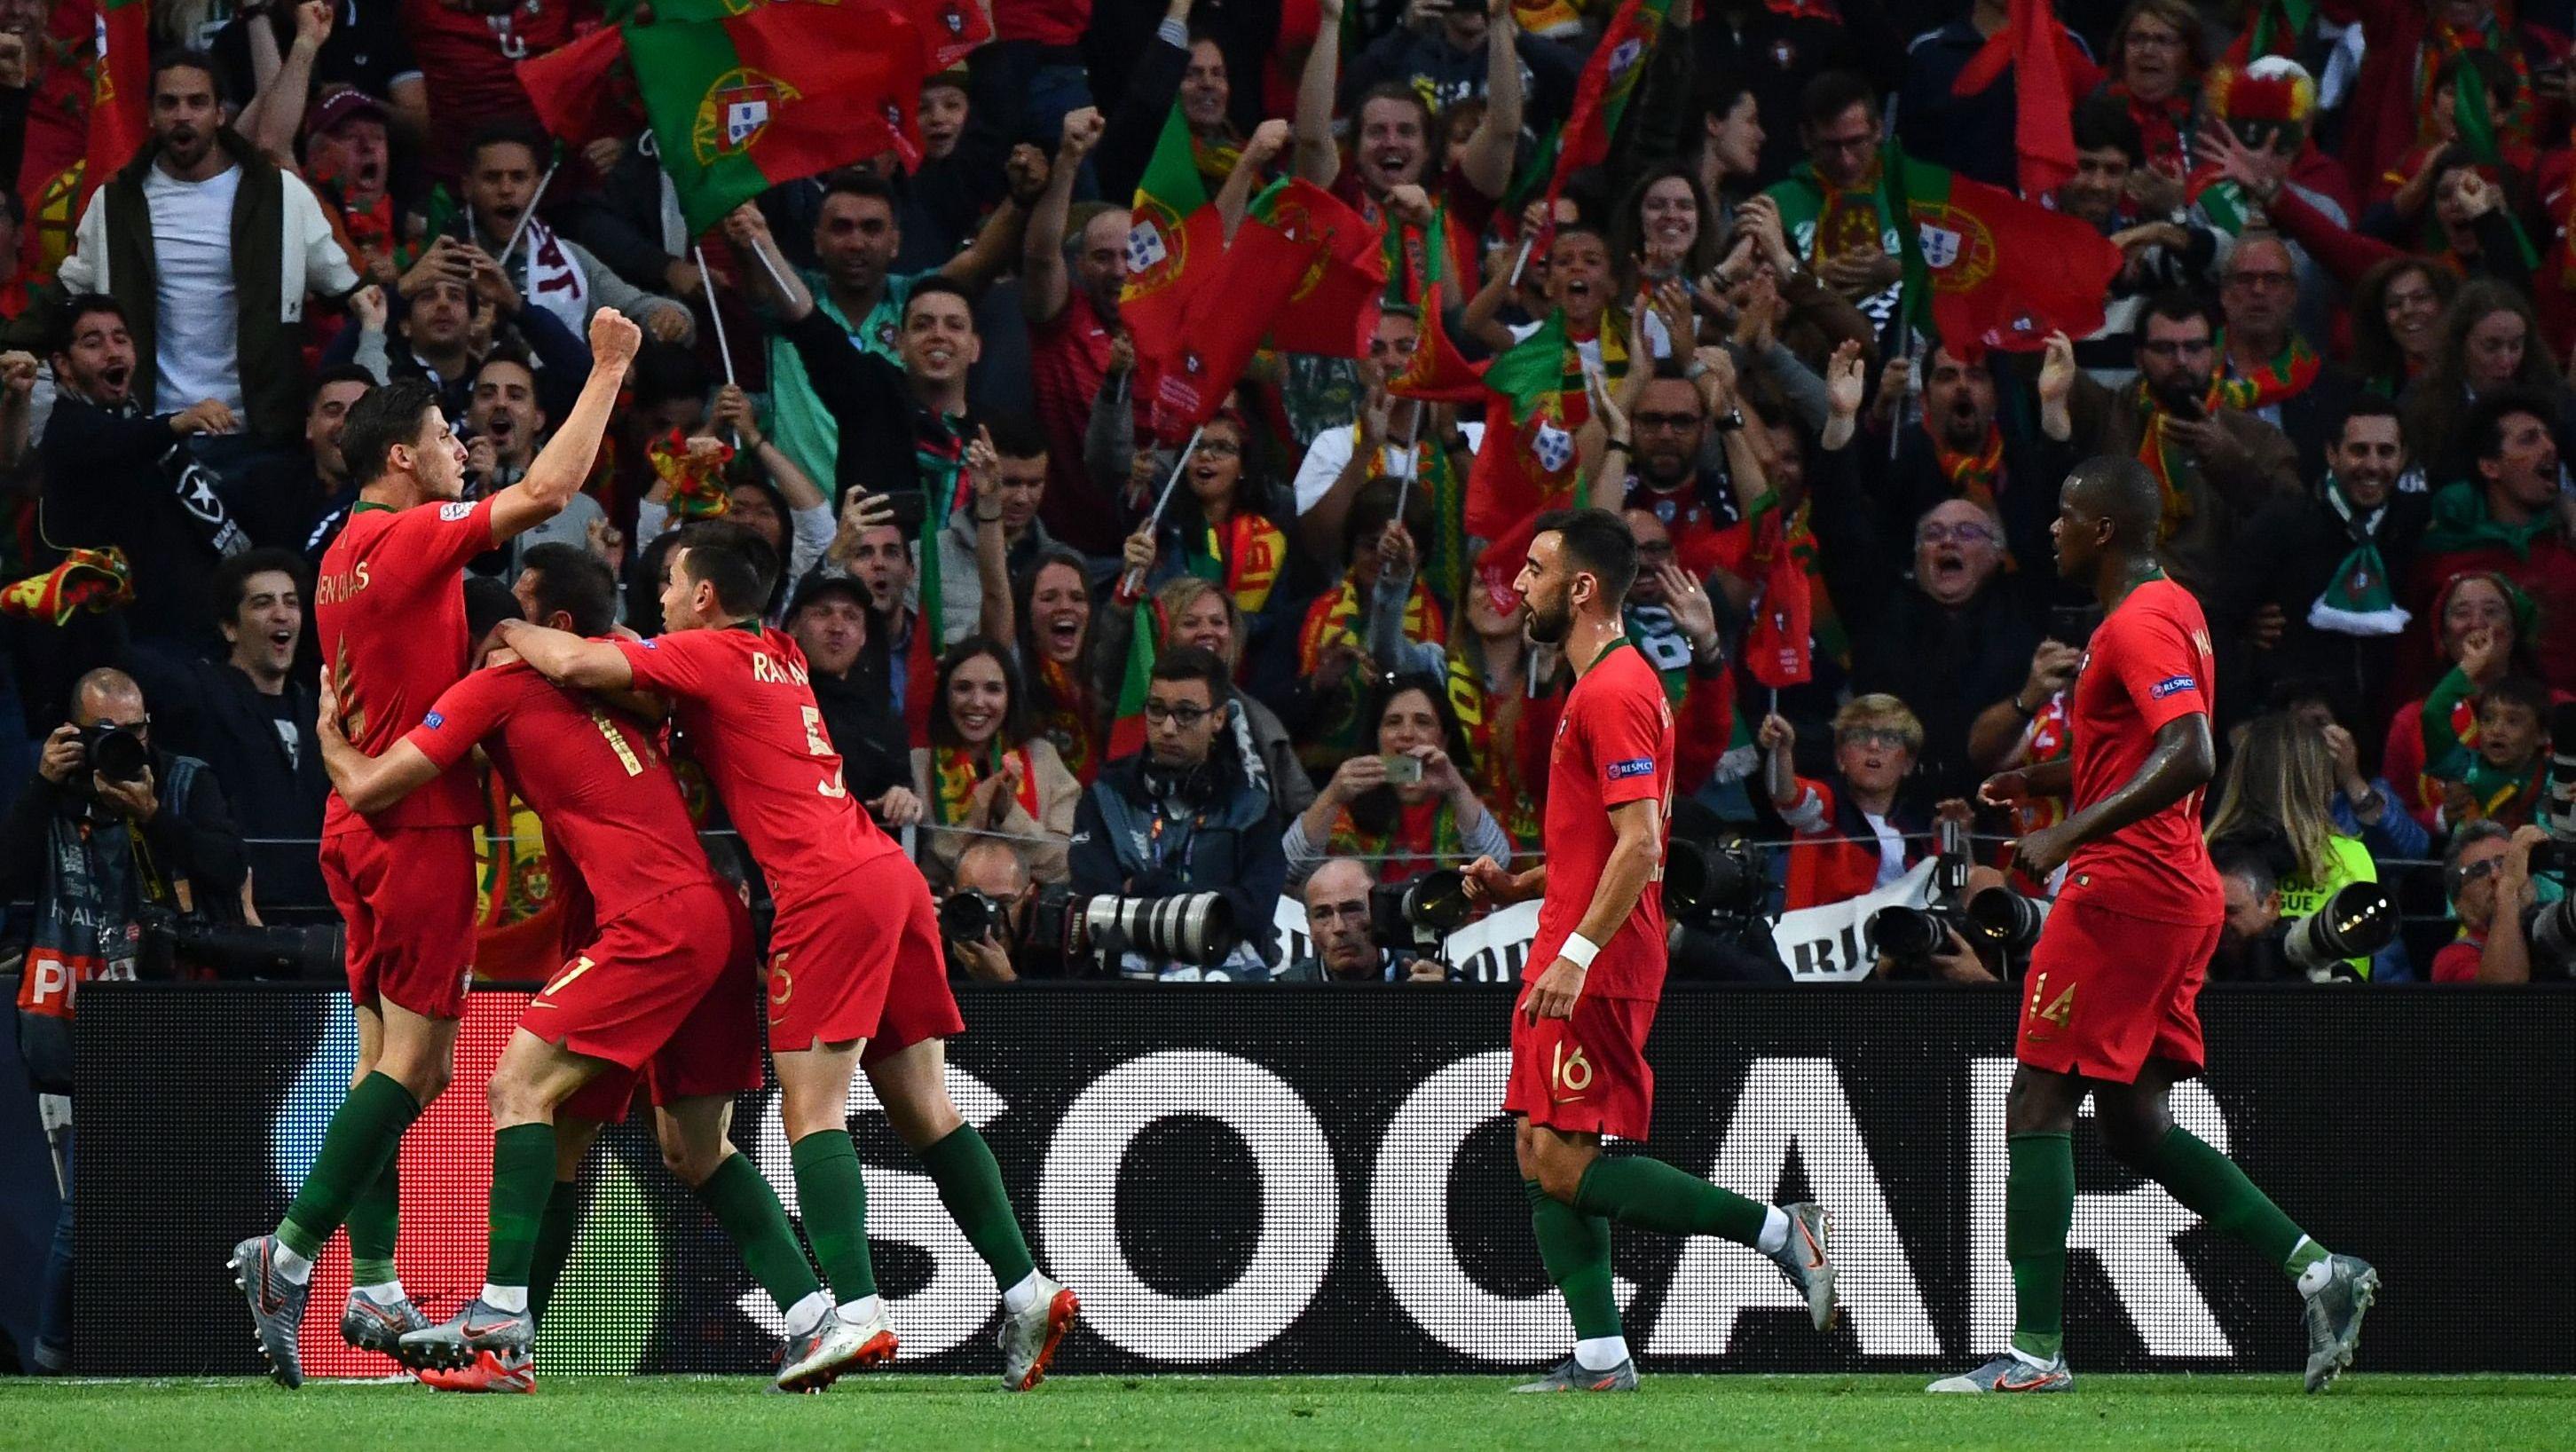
(644, 993)
(1597, 967)
(390, 615)
(856, 976)
(2118, 968)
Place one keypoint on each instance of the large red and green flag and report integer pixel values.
(119, 97)
(784, 90)
(1224, 318)
(1985, 269)
(2050, 74)
(1602, 93)
(1438, 372)
(1127, 728)
(1526, 461)
(585, 90)
(1333, 308)
(1174, 240)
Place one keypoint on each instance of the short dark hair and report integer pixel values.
(2370, 405)
(665, 371)
(1832, 93)
(732, 558)
(2103, 120)
(2120, 489)
(936, 286)
(1019, 720)
(858, 181)
(488, 602)
(376, 423)
(2522, 691)
(82, 306)
(331, 373)
(1193, 663)
(1395, 91)
(2486, 420)
(182, 58)
(1374, 509)
(575, 581)
(232, 577)
(505, 133)
(1015, 435)
(2239, 858)
(2174, 305)
(1597, 541)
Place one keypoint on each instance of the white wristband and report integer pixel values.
(1579, 950)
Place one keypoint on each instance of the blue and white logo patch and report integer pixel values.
(433, 720)
(456, 511)
(1641, 766)
(2169, 685)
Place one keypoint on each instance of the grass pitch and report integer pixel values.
(1379, 1414)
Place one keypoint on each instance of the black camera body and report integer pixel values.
(1909, 936)
(968, 916)
(1419, 913)
(116, 753)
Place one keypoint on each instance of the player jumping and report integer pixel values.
(2113, 981)
(645, 994)
(1597, 967)
(390, 611)
(856, 975)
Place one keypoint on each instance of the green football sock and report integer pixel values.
(748, 1209)
(970, 1185)
(557, 1229)
(2211, 1185)
(523, 1180)
(1576, 1251)
(2039, 1208)
(834, 1198)
(373, 1220)
(366, 1131)
(1648, 1194)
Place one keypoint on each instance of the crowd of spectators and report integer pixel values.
(2339, 337)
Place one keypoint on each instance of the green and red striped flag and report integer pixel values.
(1127, 728)
(1955, 240)
(1602, 93)
(1333, 308)
(781, 91)
(1437, 372)
(1174, 239)
(120, 101)
(1526, 460)
(2477, 133)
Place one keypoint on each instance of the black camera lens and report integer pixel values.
(1906, 933)
(2007, 919)
(967, 916)
(116, 752)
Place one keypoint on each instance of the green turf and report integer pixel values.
(1379, 1414)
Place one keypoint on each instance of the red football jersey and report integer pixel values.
(1614, 744)
(2148, 665)
(741, 696)
(605, 794)
(390, 610)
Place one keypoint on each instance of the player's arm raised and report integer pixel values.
(2182, 762)
(1635, 856)
(568, 660)
(565, 461)
(369, 784)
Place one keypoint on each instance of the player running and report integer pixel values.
(856, 975)
(2118, 967)
(1597, 967)
(645, 993)
(390, 611)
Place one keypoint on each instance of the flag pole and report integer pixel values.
(714, 311)
(1404, 481)
(1523, 260)
(525, 218)
(1134, 580)
(771, 268)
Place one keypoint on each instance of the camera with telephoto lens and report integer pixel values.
(2358, 921)
(115, 752)
(2006, 920)
(967, 916)
(1420, 913)
(1196, 928)
(1908, 937)
(1714, 894)
(314, 952)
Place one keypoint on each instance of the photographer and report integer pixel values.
(1177, 818)
(1339, 923)
(2488, 874)
(995, 872)
(108, 827)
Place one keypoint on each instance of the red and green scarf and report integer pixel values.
(1339, 618)
(1065, 717)
(2496, 36)
(2286, 376)
(2163, 126)
(1492, 726)
(2172, 470)
(1972, 477)
(1424, 836)
(955, 772)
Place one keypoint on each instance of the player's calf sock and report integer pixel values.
(2212, 1187)
(2039, 1208)
(1575, 1248)
(748, 1209)
(523, 1178)
(1775, 1231)
(1646, 1193)
(834, 1198)
(366, 1130)
(374, 1217)
(970, 1185)
(557, 1228)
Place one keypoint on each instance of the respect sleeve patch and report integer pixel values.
(2170, 684)
(1638, 766)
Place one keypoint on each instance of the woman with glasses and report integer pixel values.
(1408, 807)
(1222, 527)
(987, 770)
(2486, 629)
(2278, 796)
(2153, 67)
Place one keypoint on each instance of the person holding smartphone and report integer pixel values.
(1409, 807)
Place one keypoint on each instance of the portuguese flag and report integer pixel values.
(1332, 309)
(949, 29)
(1173, 230)
(1438, 372)
(582, 91)
(1526, 461)
(1127, 728)
(1224, 317)
(1602, 93)
(120, 87)
(1956, 250)
(921, 661)
(785, 90)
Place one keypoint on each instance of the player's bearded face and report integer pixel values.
(438, 460)
(1547, 603)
